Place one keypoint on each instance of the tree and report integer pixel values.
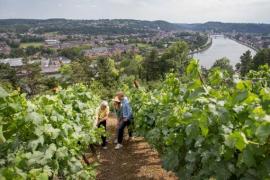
(18, 52)
(224, 64)
(152, 67)
(13, 44)
(66, 74)
(79, 73)
(32, 77)
(47, 51)
(3, 56)
(51, 82)
(107, 74)
(132, 66)
(175, 58)
(74, 73)
(31, 50)
(261, 58)
(8, 74)
(71, 53)
(245, 64)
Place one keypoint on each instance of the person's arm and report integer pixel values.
(125, 112)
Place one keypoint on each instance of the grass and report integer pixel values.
(35, 44)
(142, 45)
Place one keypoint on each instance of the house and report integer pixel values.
(53, 65)
(53, 43)
(64, 60)
(48, 66)
(16, 63)
(4, 35)
(121, 48)
(71, 44)
(95, 52)
(4, 48)
(13, 62)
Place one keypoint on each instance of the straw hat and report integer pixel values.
(116, 99)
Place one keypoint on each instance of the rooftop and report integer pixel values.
(13, 62)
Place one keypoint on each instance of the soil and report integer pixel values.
(136, 160)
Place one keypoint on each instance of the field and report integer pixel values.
(35, 44)
(143, 45)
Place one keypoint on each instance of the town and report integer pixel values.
(53, 49)
(51, 45)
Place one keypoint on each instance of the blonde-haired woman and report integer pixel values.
(102, 116)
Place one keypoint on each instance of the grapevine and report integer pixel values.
(45, 137)
(207, 130)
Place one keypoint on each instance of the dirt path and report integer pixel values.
(136, 160)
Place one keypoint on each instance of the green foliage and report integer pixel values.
(8, 74)
(261, 58)
(152, 66)
(107, 74)
(13, 44)
(175, 58)
(132, 66)
(32, 79)
(246, 63)
(260, 77)
(28, 51)
(71, 53)
(224, 65)
(17, 52)
(30, 39)
(44, 138)
(31, 50)
(207, 130)
(80, 71)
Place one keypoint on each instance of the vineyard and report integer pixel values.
(203, 127)
(208, 128)
(45, 137)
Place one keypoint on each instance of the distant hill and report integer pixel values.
(227, 27)
(104, 26)
(121, 26)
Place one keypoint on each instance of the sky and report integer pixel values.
(177, 11)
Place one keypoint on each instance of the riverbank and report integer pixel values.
(204, 47)
(222, 47)
(243, 43)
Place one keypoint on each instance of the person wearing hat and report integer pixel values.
(126, 118)
(102, 116)
(118, 109)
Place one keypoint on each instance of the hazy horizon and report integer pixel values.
(133, 19)
(175, 11)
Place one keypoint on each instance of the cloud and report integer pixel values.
(170, 10)
(60, 5)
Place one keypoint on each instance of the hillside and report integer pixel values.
(93, 27)
(121, 26)
(227, 27)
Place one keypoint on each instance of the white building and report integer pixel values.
(52, 42)
(13, 62)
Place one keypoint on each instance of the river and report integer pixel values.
(222, 47)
